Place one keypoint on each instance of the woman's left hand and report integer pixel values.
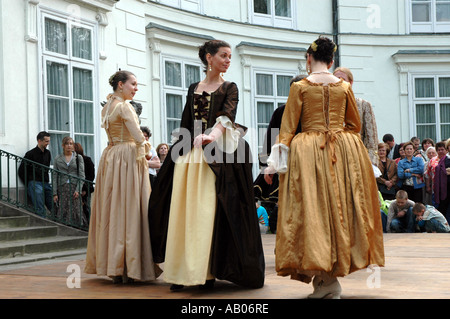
(76, 195)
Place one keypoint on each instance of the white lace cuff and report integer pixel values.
(376, 171)
(278, 158)
(228, 141)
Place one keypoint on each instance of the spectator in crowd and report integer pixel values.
(266, 185)
(88, 188)
(369, 133)
(431, 168)
(416, 144)
(153, 163)
(427, 195)
(263, 218)
(401, 151)
(400, 217)
(388, 168)
(389, 140)
(410, 173)
(162, 150)
(426, 143)
(66, 189)
(430, 218)
(36, 178)
(442, 183)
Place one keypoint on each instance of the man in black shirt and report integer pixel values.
(36, 177)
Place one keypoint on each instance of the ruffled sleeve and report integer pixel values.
(278, 158)
(228, 141)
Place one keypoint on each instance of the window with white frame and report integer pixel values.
(271, 91)
(68, 68)
(429, 15)
(189, 5)
(276, 13)
(431, 102)
(178, 76)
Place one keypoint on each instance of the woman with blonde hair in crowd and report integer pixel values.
(66, 189)
(162, 150)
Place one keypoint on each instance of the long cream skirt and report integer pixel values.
(191, 221)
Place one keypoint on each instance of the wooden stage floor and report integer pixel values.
(417, 267)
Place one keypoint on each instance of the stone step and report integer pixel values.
(21, 233)
(17, 248)
(16, 262)
(14, 221)
(7, 211)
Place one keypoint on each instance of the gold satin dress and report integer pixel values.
(329, 214)
(119, 236)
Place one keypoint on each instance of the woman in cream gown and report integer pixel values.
(329, 221)
(119, 239)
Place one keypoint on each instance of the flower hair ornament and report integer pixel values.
(314, 47)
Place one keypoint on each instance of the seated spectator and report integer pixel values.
(410, 174)
(388, 168)
(400, 217)
(430, 218)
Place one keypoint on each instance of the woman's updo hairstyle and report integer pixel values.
(119, 76)
(322, 49)
(210, 47)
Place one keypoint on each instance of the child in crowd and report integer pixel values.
(430, 218)
(262, 217)
(400, 217)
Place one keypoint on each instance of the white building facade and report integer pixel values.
(56, 57)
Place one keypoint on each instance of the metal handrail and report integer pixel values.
(15, 191)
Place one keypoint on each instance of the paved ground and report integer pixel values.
(417, 267)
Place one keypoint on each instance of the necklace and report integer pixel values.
(321, 72)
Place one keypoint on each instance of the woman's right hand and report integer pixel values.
(55, 198)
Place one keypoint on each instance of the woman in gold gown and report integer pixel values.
(329, 221)
(119, 239)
